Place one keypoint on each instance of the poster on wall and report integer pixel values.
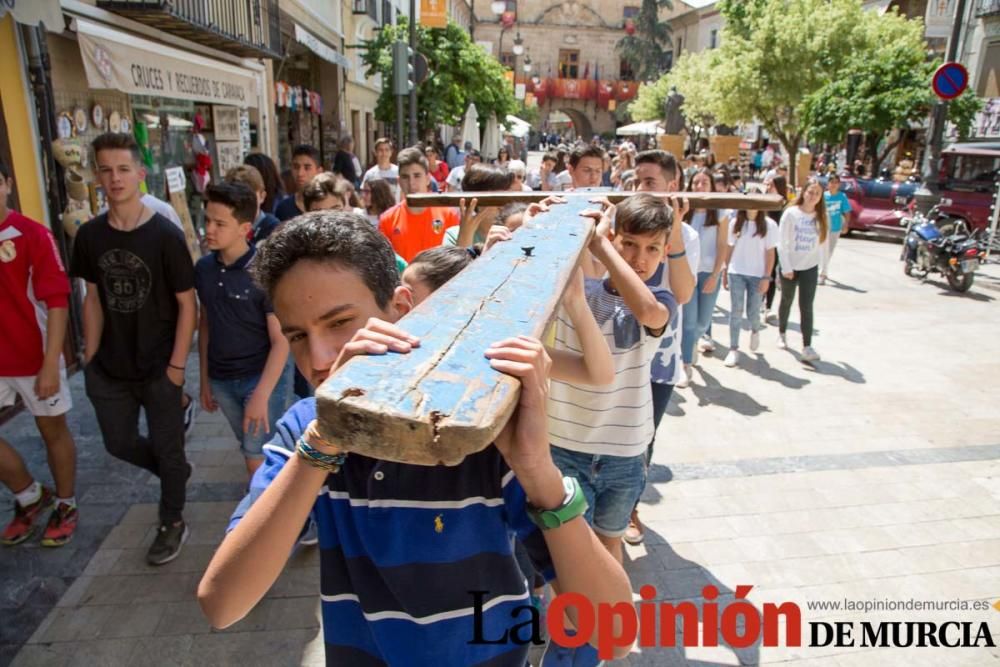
(245, 131)
(226, 121)
(230, 154)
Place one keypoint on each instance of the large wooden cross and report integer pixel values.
(443, 401)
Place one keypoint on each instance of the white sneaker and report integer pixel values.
(732, 358)
(754, 340)
(782, 343)
(809, 354)
(688, 375)
(771, 317)
(706, 345)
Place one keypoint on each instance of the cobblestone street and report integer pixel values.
(873, 474)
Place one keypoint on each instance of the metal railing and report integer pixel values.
(242, 27)
(987, 8)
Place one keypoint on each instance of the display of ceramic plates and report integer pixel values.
(126, 125)
(80, 120)
(115, 122)
(97, 116)
(64, 125)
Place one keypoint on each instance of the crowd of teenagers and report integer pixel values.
(304, 274)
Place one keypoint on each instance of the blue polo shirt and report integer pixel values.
(401, 547)
(287, 209)
(238, 341)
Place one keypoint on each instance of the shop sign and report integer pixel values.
(226, 121)
(433, 14)
(230, 155)
(117, 61)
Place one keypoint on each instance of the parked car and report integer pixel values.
(968, 180)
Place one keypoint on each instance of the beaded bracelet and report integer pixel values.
(317, 459)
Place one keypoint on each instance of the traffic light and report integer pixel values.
(402, 69)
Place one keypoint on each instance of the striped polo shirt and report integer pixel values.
(615, 420)
(402, 547)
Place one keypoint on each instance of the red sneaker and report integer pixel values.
(61, 526)
(22, 526)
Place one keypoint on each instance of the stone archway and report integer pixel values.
(582, 124)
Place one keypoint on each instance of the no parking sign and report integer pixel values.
(950, 80)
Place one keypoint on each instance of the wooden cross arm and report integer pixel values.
(705, 200)
(443, 401)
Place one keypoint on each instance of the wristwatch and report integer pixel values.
(574, 504)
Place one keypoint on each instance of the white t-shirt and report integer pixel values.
(454, 179)
(564, 181)
(799, 247)
(667, 367)
(615, 420)
(748, 256)
(535, 180)
(707, 239)
(390, 176)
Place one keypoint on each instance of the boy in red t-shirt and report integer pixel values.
(34, 300)
(413, 230)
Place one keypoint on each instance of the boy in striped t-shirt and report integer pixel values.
(600, 435)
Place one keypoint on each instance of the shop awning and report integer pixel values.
(317, 46)
(120, 61)
(648, 127)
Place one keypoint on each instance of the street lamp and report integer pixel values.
(527, 64)
(518, 44)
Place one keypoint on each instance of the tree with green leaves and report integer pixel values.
(692, 76)
(645, 49)
(879, 93)
(459, 72)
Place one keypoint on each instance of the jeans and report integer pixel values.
(805, 281)
(661, 398)
(232, 396)
(743, 289)
(697, 316)
(117, 404)
(611, 484)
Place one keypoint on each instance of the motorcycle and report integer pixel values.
(955, 254)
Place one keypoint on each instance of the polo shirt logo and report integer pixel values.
(438, 524)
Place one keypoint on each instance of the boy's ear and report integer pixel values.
(402, 301)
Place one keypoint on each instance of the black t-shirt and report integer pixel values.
(138, 275)
(287, 209)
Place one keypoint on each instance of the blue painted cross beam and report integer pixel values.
(950, 80)
(442, 401)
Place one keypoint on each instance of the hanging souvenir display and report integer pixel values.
(202, 159)
(64, 125)
(80, 120)
(126, 125)
(115, 122)
(97, 117)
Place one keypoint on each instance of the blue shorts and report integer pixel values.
(612, 485)
(232, 395)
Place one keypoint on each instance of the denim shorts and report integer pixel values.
(232, 395)
(611, 484)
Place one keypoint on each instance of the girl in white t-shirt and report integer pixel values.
(750, 253)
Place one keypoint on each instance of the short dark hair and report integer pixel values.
(236, 196)
(472, 152)
(588, 150)
(551, 155)
(308, 151)
(486, 178)
(436, 266)
(116, 141)
(642, 213)
(665, 160)
(411, 156)
(336, 237)
(4, 170)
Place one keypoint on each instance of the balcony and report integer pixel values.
(248, 28)
(987, 8)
